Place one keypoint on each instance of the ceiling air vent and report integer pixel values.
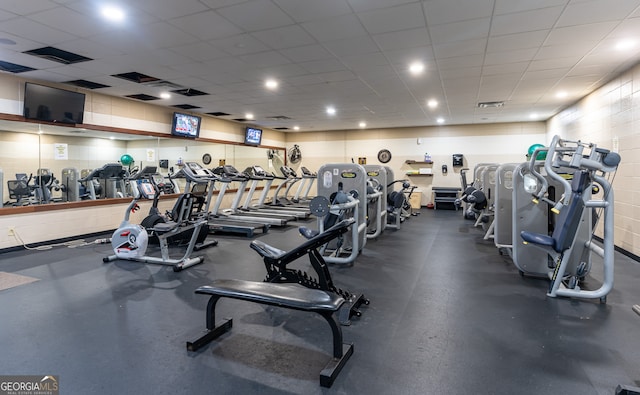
(163, 84)
(186, 106)
(87, 84)
(136, 77)
(279, 118)
(190, 92)
(282, 128)
(490, 104)
(218, 114)
(242, 119)
(142, 96)
(57, 55)
(13, 68)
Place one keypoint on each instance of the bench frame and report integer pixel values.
(341, 351)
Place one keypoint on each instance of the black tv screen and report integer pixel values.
(252, 136)
(44, 103)
(185, 125)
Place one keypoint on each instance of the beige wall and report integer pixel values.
(500, 143)
(610, 117)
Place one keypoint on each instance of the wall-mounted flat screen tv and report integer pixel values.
(44, 103)
(185, 125)
(252, 136)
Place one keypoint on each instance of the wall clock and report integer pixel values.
(384, 155)
(206, 159)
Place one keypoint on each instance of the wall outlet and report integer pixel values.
(11, 231)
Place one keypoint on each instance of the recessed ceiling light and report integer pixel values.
(440, 120)
(248, 116)
(331, 110)
(113, 13)
(165, 95)
(271, 84)
(112, 138)
(296, 127)
(625, 44)
(416, 68)
(533, 115)
(362, 124)
(561, 94)
(432, 103)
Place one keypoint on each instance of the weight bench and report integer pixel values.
(276, 262)
(291, 296)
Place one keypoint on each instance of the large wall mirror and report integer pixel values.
(35, 150)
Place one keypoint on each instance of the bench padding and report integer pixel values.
(285, 295)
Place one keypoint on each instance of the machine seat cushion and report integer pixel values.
(164, 227)
(537, 238)
(265, 250)
(285, 295)
(308, 233)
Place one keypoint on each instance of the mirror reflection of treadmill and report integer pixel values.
(194, 173)
(230, 173)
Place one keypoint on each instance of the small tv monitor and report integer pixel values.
(252, 136)
(44, 103)
(185, 125)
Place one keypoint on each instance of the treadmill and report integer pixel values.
(195, 173)
(257, 174)
(228, 174)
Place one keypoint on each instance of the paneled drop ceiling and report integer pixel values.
(532, 58)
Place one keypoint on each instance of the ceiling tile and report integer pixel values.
(460, 48)
(323, 66)
(168, 9)
(505, 68)
(593, 11)
(35, 31)
(284, 37)
(265, 59)
(71, 22)
(403, 39)
(519, 55)
(514, 41)
(351, 46)
(27, 7)
(240, 44)
(393, 19)
(363, 5)
(206, 25)
(200, 51)
(527, 21)
(336, 28)
(306, 53)
(447, 11)
(309, 10)
(458, 31)
(256, 15)
(571, 34)
(515, 6)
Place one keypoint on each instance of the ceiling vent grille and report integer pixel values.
(143, 97)
(190, 92)
(218, 114)
(87, 84)
(57, 55)
(490, 104)
(136, 77)
(14, 68)
(186, 106)
(279, 118)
